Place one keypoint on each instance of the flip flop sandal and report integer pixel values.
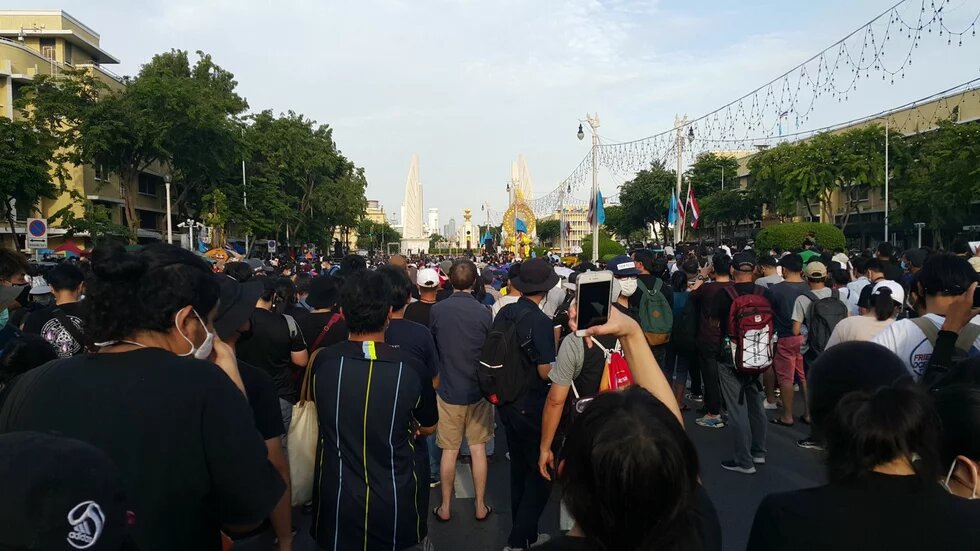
(440, 519)
(489, 511)
(780, 422)
(804, 420)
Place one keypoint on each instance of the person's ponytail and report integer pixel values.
(884, 304)
(867, 429)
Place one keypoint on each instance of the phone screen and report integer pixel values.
(593, 303)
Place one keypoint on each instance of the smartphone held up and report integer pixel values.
(593, 297)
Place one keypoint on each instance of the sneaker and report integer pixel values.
(542, 539)
(734, 467)
(759, 459)
(810, 444)
(712, 422)
(434, 482)
(770, 405)
(694, 397)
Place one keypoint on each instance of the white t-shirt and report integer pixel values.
(857, 328)
(910, 344)
(769, 281)
(503, 301)
(802, 304)
(855, 288)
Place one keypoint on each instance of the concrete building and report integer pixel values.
(375, 212)
(432, 225)
(47, 42)
(449, 230)
(414, 239)
(577, 219)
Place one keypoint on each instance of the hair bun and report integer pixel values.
(115, 264)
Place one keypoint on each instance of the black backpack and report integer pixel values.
(822, 316)
(505, 369)
(684, 336)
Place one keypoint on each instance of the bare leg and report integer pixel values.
(806, 399)
(769, 381)
(786, 389)
(478, 454)
(447, 472)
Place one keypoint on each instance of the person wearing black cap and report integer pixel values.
(522, 419)
(233, 324)
(712, 314)
(891, 269)
(882, 438)
(61, 494)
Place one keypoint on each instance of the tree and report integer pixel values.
(729, 208)
(769, 172)
(646, 198)
(434, 240)
(608, 247)
(548, 231)
(25, 175)
(95, 220)
(373, 235)
(711, 173)
(937, 176)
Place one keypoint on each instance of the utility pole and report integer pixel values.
(244, 192)
(886, 182)
(593, 122)
(679, 124)
(919, 226)
(170, 227)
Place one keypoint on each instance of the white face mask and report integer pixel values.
(202, 352)
(627, 286)
(949, 476)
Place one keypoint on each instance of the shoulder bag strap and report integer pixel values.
(291, 323)
(323, 333)
(69, 326)
(929, 329)
(657, 284)
(968, 336)
(304, 393)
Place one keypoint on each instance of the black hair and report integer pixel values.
(645, 258)
(365, 301)
(946, 274)
(958, 407)
(144, 290)
(280, 292)
(884, 303)
(690, 266)
(399, 286)
(302, 283)
(722, 263)
(860, 264)
(353, 263)
(239, 271)
(868, 428)
(64, 277)
(678, 281)
(462, 275)
(840, 277)
(630, 474)
(960, 247)
(23, 353)
(886, 250)
(479, 289)
(324, 292)
(12, 262)
(768, 261)
(873, 264)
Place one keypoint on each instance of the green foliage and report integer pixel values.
(729, 207)
(790, 236)
(434, 239)
(608, 247)
(540, 251)
(645, 198)
(548, 230)
(95, 220)
(938, 175)
(25, 176)
(372, 235)
(707, 173)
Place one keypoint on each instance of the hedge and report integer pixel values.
(608, 248)
(790, 236)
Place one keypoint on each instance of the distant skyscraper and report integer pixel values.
(450, 228)
(433, 222)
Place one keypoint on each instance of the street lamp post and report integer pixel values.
(679, 124)
(170, 228)
(886, 185)
(593, 122)
(919, 226)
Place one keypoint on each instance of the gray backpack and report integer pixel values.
(822, 316)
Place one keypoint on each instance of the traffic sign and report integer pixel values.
(272, 245)
(971, 228)
(37, 233)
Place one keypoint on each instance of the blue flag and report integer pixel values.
(600, 212)
(672, 211)
(520, 226)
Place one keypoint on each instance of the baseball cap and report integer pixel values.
(792, 262)
(815, 270)
(427, 278)
(60, 494)
(898, 293)
(841, 259)
(743, 262)
(917, 257)
(623, 266)
(236, 304)
(39, 286)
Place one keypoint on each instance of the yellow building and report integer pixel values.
(375, 212)
(578, 223)
(46, 43)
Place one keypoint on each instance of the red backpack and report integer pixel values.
(750, 324)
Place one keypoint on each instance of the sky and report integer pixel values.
(470, 84)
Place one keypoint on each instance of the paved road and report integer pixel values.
(736, 496)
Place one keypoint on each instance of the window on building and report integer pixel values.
(69, 52)
(101, 175)
(148, 220)
(47, 48)
(148, 184)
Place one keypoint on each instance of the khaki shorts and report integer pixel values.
(473, 420)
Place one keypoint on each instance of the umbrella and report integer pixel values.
(69, 247)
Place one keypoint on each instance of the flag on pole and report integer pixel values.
(600, 211)
(520, 226)
(693, 204)
(681, 215)
(672, 209)
(568, 228)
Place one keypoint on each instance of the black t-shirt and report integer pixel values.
(535, 327)
(269, 349)
(710, 312)
(179, 431)
(416, 340)
(709, 529)
(368, 493)
(263, 399)
(44, 322)
(419, 312)
(892, 271)
(879, 512)
(312, 324)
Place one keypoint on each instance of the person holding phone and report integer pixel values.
(522, 419)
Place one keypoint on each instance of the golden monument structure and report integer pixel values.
(519, 223)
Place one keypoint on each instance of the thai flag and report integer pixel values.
(693, 203)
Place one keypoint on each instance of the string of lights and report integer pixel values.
(777, 110)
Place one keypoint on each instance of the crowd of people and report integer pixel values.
(147, 402)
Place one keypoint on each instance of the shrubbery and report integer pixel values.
(790, 236)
